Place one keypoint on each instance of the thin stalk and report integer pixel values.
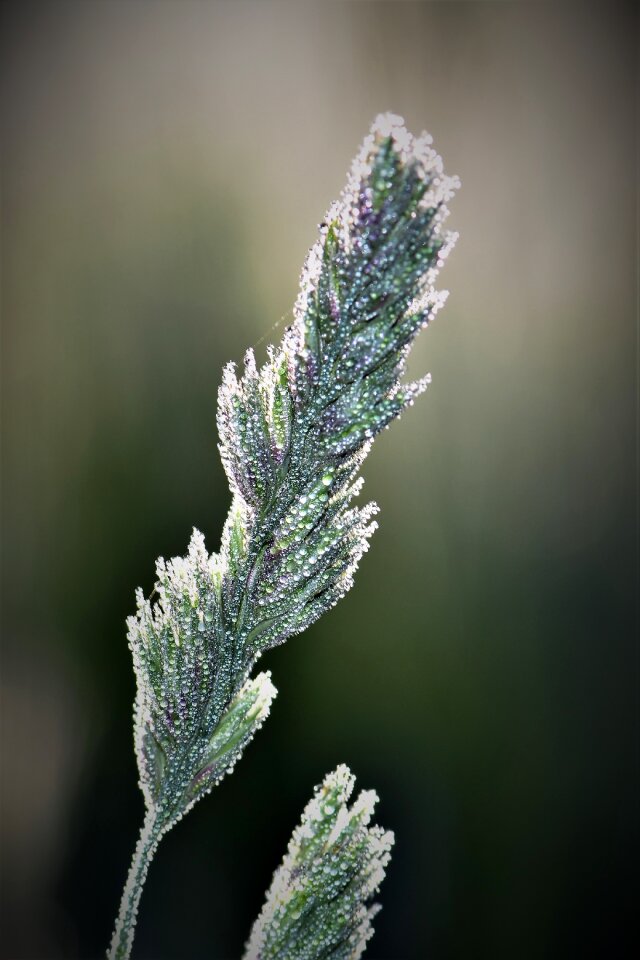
(146, 847)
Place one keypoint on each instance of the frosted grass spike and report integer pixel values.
(318, 905)
(293, 437)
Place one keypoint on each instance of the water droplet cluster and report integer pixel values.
(318, 903)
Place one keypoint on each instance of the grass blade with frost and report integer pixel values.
(293, 436)
(317, 907)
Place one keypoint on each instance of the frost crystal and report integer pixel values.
(317, 906)
(293, 436)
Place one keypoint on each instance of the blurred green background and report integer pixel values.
(165, 165)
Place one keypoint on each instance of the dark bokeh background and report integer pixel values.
(164, 168)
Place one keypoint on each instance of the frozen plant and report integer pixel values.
(293, 436)
(317, 903)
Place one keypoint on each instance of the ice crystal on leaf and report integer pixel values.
(317, 905)
(293, 436)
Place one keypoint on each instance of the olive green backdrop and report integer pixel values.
(165, 165)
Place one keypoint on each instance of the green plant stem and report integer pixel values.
(126, 922)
